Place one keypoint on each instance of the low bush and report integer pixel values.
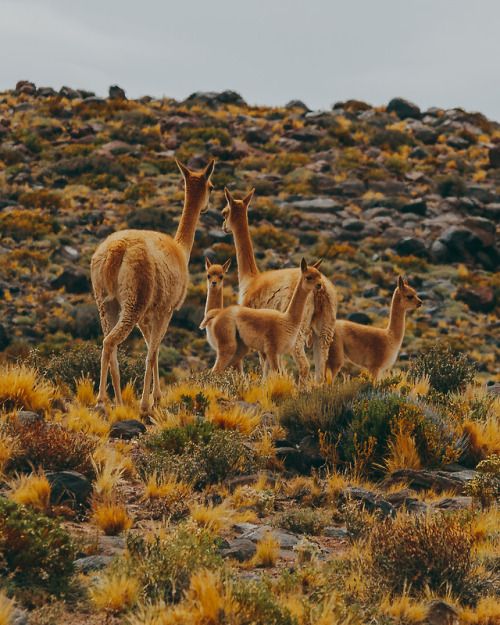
(34, 550)
(258, 605)
(27, 224)
(450, 186)
(270, 238)
(151, 218)
(415, 552)
(447, 369)
(303, 521)
(486, 484)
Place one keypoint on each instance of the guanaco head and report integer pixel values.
(407, 295)
(235, 209)
(215, 274)
(198, 185)
(311, 277)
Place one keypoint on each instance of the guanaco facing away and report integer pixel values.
(139, 278)
(375, 349)
(236, 329)
(274, 289)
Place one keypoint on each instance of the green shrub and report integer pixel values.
(151, 218)
(451, 185)
(86, 361)
(175, 440)
(303, 521)
(164, 565)
(486, 484)
(447, 369)
(416, 552)
(34, 550)
(258, 605)
(49, 447)
(140, 191)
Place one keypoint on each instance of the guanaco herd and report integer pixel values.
(140, 277)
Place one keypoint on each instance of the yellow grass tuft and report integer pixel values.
(307, 489)
(483, 436)
(403, 453)
(234, 418)
(85, 394)
(122, 413)
(267, 551)
(404, 608)
(335, 484)
(6, 610)
(82, 419)
(115, 592)
(109, 467)
(486, 612)
(31, 490)
(128, 395)
(167, 486)
(7, 450)
(111, 517)
(208, 598)
(22, 388)
(280, 387)
(213, 518)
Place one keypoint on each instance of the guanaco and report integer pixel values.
(215, 288)
(139, 278)
(237, 329)
(375, 349)
(274, 289)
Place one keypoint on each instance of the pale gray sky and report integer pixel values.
(435, 52)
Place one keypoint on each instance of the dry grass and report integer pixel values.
(335, 484)
(234, 418)
(405, 609)
(307, 489)
(403, 453)
(483, 436)
(6, 609)
(213, 518)
(169, 487)
(21, 388)
(111, 516)
(82, 419)
(31, 490)
(85, 394)
(486, 612)
(115, 592)
(268, 550)
(110, 467)
(121, 413)
(7, 450)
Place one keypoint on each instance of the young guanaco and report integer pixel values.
(236, 329)
(375, 349)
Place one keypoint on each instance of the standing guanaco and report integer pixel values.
(375, 349)
(237, 329)
(139, 278)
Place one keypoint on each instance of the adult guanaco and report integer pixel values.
(236, 329)
(375, 349)
(139, 278)
(274, 289)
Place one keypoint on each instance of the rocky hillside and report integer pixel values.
(374, 191)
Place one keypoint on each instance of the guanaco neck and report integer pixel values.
(214, 299)
(295, 309)
(247, 267)
(189, 219)
(396, 326)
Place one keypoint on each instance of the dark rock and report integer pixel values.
(371, 501)
(459, 243)
(419, 207)
(26, 417)
(403, 108)
(459, 143)
(453, 503)
(116, 93)
(478, 299)
(290, 456)
(69, 487)
(5, 339)
(26, 87)
(494, 156)
(258, 135)
(335, 532)
(240, 549)
(91, 564)
(353, 225)
(360, 317)
(351, 188)
(69, 93)
(94, 100)
(127, 429)
(297, 104)
(425, 134)
(411, 246)
(480, 193)
(484, 228)
(73, 279)
(213, 98)
(310, 452)
(438, 480)
(440, 613)
(419, 152)
(494, 389)
(46, 92)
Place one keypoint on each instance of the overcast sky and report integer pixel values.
(434, 52)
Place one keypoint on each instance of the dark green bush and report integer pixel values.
(174, 440)
(450, 186)
(165, 565)
(34, 550)
(303, 521)
(416, 552)
(448, 369)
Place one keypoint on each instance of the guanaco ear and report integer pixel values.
(226, 265)
(183, 169)
(229, 197)
(247, 199)
(208, 264)
(303, 265)
(209, 170)
(317, 264)
(401, 283)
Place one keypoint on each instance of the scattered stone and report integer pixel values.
(91, 564)
(127, 429)
(291, 457)
(297, 104)
(419, 152)
(310, 453)
(425, 134)
(111, 545)
(286, 540)
(116, 93)
(438, 480)
(404, 108)
(336, 532)
(478, 299)
(371, 501)
(440, 613)
(73, 279)
(240, 549)
(26, 87)
(454, 503)
(317, 205)
(419, 207)
(26, 417)
(411, 246)
(360, 317)
(70, 488)
(20, 617)
(244, 528)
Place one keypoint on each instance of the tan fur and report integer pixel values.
(375, 349)
(274, 289)
(139, 278)
(237, 329)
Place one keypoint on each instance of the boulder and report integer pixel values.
(440, 613)
(286, 540)
(26, 417)
(360, 317)
(240, 549)
(419, 152)
(411, 246)
(310, 453)
(419, 207)
(438, 480)
(370, 500)
(255, 134)
(291, 457)
(26, 87)
(336, 532)
(73, 279)
(116, 93)
(453, 503)
(494, 156)
(297, 104)
(478, 299)
(90, 564)
(404, 108)
(317, 205)
(127, 429)
(70, 488)
(425, 134)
